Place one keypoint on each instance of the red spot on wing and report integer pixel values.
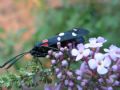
(45, 43)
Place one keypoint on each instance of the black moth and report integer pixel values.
(41, 48)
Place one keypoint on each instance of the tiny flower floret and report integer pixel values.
(100, 62)
(113, 51)
(95, 42)
(64, 63)
(80, 52)
(59, 75)
(101, 40)
(53, 61)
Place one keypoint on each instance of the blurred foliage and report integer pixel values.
(30, 76)
(101, 19)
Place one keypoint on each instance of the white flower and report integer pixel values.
(113, 51)
(100, 62)
(80, 52)
(94, 43)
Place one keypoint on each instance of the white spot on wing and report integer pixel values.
(74, 34)
(59, 38)
(75, 29)
(61, 34)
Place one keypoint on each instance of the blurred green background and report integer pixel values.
(25, 22)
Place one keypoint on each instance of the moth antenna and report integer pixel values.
(14, 61)
(14, 58)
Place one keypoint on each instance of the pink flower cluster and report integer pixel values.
(86, 66)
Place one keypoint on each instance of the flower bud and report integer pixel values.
(116, 83)
(57, 87)
(64, 63)
(100, 80)
(109, 81)
(109, 88)
(60, 53)
(59, 75)
(53, 61)
(78, 72)
(59, 45)
(83, 84)
(113, 76)
(79, 87)
(47, 56)
(53, 53)
(85, 80)
(56, 55)
(70, 45)
(66, 82)
(57, 70)
(69, 88)
(62, 49)
(71, 83)
(65, 48)
(69, 73)
(114, 67)
(50, 52)
(79, 77)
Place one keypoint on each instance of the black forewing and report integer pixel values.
(68, 36)
(80, 31)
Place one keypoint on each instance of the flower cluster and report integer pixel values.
(86, 66)
(74, 66)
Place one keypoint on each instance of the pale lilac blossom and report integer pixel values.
(113, 51)
(93, 43)
(101, 40)
(80, 52)
(96, 66)
(100, 63)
